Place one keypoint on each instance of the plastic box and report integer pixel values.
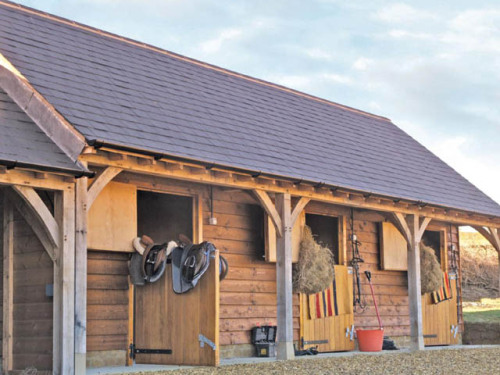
(264, 339)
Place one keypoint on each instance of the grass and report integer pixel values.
(485, 311)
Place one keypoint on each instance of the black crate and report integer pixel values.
(264, 334)
(265, 349)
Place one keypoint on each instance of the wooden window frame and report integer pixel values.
(443, 242)
(342, 234)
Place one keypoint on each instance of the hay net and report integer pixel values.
(431, 275)
(314, 271)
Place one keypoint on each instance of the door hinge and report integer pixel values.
(349, 332)
(203, 340)
(134, 351)
(314, 342)
(454, 330)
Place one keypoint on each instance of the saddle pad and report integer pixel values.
(135, 269)
(179, 255)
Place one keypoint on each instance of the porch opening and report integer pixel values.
(325, 230)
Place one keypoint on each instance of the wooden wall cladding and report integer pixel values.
(393, 248)
(112, 221)
(32, 309)
(107, 301)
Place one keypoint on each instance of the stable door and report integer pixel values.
(172, 328)
(327, 318)
(440, 320)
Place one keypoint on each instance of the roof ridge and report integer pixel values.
(136, 43)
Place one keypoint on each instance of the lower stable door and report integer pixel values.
(172, 328)
(439, 319)
(326, 318)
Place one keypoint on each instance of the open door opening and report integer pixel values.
(440, 321)
(172, 328)
(326, 318)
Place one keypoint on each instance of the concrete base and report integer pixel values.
(80, 363)
(285, 351)
(237, 351)
(106, 358)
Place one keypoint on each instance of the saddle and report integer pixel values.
(149, 263)
(189, 263)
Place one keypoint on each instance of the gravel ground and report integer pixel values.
(455, 362)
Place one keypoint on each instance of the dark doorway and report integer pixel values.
(432, 239)
(164, 216)
(325, 230)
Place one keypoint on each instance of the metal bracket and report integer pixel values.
(349, 332)
(134, 351)
(454, 330)
(316, 342)
(203, 340)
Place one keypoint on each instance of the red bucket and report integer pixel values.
(370, 340)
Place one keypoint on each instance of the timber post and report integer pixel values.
(64, 284)
(412, 230)
(81, 276)
(284, 292)
(8, 285)
(414, 287)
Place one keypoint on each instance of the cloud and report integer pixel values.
(402, 13)
(362, 63)
(401, 34)
(337, 78)
(214, 45)
(318, 54)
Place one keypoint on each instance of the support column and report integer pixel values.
(8, 284)
(284, 279)
(414, 288)
(412, 230)
(81, 276)
(64, 285)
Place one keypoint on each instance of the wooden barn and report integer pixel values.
(104, 139)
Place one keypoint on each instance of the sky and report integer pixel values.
(431, 66)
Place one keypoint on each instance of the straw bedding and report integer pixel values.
(314, 271)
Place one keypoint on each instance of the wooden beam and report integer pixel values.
(8, 284)
(38, 226)
(27, 178)
(399, 221)
(42, 214)
(64, 286)
(299, 207)
(248, 183)
(491, 234)
(100, 182)
(284, 290)
(270, 209)
(38, 109)
(81, 275)
(423, 226)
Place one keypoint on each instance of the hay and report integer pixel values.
(314, 271)
(431, 275)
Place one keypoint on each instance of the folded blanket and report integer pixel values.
(334, 300)
(443, 293)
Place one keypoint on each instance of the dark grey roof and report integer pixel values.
(22, 142)
(122, 92)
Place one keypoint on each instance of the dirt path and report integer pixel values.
(453, 362)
